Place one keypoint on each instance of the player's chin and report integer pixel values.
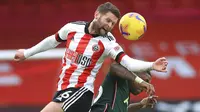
(103, 32)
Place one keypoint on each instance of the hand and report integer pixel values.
(149, 88)
(160, 65)
(149, 101)
(19, 55)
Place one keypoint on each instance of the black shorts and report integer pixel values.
(74, 99)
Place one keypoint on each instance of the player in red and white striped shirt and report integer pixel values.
(87, 46)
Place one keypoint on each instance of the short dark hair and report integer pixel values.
(109, 7)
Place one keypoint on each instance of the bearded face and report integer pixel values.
(104, 23)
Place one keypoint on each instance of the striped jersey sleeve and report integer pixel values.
(114, 50)
(62, 34)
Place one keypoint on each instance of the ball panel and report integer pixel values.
(132, 26)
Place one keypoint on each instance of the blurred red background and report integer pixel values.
(173, 31)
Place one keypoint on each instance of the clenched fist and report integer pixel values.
(19, 55)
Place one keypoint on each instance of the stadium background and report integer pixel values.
(173, 32)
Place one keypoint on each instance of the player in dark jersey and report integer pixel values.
(114, 92)
(88, 44)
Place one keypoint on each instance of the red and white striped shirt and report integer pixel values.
(84, 55)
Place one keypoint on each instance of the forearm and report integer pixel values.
(135, 65)
(46, 44)
(134, 107)
(122, 72)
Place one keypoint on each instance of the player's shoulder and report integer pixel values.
(75, 26)
(110, 37)
(109, 41)
(78, 23)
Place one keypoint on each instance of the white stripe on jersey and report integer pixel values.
(74, 77)
(71, 46)
(77, 38)
(92, 77)
(84, 57)
(62, 74)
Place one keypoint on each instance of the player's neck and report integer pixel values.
(91, 28)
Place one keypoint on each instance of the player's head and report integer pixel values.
(134, 87)
(105, 18)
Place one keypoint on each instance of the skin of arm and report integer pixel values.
(134, 107)
(144, 103)
(122, 72)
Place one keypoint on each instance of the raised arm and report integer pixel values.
(134, 65)
(46, 44)
(148, 102)
(116, 52)
(122, 72)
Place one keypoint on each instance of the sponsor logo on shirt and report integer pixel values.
(117, 48)
(77, 58)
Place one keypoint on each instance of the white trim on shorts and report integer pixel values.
(72, 99)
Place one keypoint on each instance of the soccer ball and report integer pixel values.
(132, 26)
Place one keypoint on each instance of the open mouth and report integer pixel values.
(104, 29)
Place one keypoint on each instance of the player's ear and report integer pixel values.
(96, 15)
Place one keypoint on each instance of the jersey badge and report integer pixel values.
(96, 48)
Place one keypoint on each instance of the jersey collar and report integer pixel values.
(87, 30)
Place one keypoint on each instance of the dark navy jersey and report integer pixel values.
(113, 95)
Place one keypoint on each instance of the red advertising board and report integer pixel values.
(173, 33)
(34, 81)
